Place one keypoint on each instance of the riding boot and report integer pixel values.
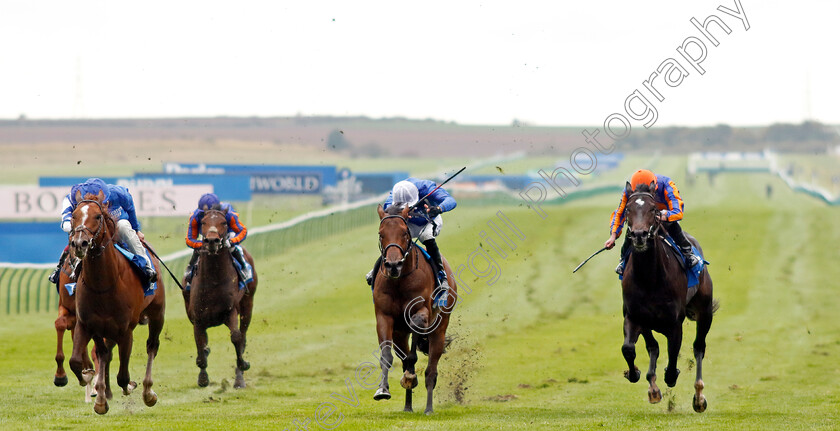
(370, 276)
(676, 232)
(188, 274)
(440, 273)
(244, 268)
(132, 240)
(624, 246)
(54, 276)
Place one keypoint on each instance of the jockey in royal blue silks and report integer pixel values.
(424, 225)
(236, 235)
(120, 205)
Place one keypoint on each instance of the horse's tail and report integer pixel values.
(715, 306)
(423, 343)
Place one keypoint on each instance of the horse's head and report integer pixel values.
(214, 229)
(90, 223)
(394, 238)
(642, 216)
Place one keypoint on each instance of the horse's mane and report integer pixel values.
(395, 209)
(644, 188)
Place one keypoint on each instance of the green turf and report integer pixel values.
(538, 349)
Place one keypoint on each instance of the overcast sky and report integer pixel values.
(546, 63)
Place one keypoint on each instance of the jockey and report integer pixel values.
(120, 205)
(236, 235)
(670, 205)
(425, 223)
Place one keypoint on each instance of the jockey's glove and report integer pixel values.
(434, 211)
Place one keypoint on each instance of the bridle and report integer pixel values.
(407, 250)
(206, 245)
(657, 223)
(94, 235)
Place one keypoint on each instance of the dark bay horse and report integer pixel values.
(657, 298)
(110, 303)
(402, 297)
(66, 321)
(215, 298)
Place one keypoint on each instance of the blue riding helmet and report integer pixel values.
(92, 186)
(207, 201)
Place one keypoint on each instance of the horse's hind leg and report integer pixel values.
(200, 334)
(674, 343)
(64, 322)
(628, 349)
(152, 344)
(239, 345)
(437, 341)
(704, 322)
(123, 377)
(654, 394)
(409, 378)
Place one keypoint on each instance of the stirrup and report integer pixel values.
(54, 276)
(442, 297)
(369, 278)
(151, 274)
(620, 268)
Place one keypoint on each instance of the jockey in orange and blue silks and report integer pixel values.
(670, 206)
(120, 206)
(236, 234)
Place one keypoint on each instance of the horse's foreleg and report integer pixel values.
(239, 346)
(152, 346)
(200, 334)
(103, 359)
(628, 349)
(654, 394)
(674, 343)
(704, 322)
(62, 324)
(384, 329)
(409, 378)
(437, 340)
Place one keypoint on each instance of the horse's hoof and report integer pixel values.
(408, 410)
(655, 396)
(130, 387)
(701, 406)
(634, 376)
(381, 394)
(239, 383)
(87, 376)
(671, 378)
(150, 398)
(101, 408)
(408, 381)
(429, 412)
(60, 381)
(203, 380)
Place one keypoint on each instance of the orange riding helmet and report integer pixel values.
(642, 176)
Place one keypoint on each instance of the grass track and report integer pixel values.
(539, 348)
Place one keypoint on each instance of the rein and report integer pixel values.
(405, 252)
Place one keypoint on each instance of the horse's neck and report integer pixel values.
(100, 265)
(647, 265)
(215, 266)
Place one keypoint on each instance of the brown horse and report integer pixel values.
(402, 297)
(657, 298)
(110, 303)
(66, 321)
(215, 298)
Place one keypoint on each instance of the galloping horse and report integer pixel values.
(657, 298)
(110, 303)
(402, 298)
(66, 321)
(215, 298)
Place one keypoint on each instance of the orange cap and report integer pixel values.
(642, 176)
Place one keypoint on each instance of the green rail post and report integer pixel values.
(19, 287)
(29, 287)
(2, 273)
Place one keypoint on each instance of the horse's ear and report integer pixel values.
(652, 186)
(100, 196)
(381, 211)
(78, 196)
(404, 212)
(628, 188)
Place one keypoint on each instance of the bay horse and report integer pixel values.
(657, 298)
(110, 303)
(402, 296)
(215, 298)
(66, 321)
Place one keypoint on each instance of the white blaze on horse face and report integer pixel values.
(84, 214)
(640, 202)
